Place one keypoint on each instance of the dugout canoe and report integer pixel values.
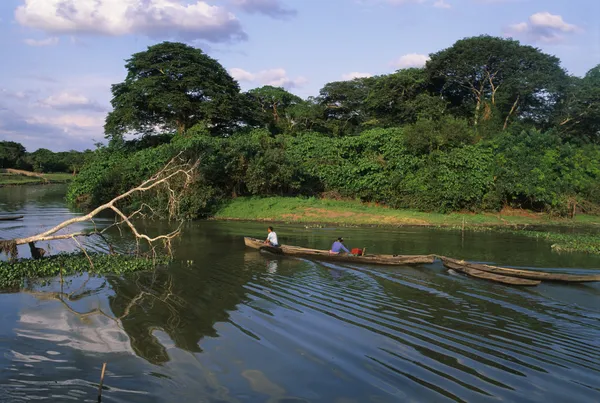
(11, 218)
(484, 275)
(390, 260)
(519, 273)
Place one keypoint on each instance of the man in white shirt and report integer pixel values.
(272, 237)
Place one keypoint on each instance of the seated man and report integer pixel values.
(338, 246)
(272, 237)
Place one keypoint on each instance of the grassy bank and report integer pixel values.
(318, 211)
(311, 210)
(7, 179)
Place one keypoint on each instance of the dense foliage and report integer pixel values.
(487, 123)
(14, 155)
(171, 87)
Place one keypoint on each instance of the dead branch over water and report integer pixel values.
(172, 181)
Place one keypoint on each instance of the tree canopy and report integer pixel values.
(487, 123)
(491, 82)
(484, 75)
(172, 87)
(579, 118)
(271, 106)
(14, 155)
(10, 154)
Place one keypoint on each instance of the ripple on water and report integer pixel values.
(237, 325)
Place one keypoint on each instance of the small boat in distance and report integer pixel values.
(288, 250)
(11, 218)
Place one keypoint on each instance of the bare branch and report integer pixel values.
(166, 180)
(514, 106)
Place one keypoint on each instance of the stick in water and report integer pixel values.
(101, 382)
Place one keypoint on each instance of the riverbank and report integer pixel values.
(582, 235)
(8, 179)
(323, 211)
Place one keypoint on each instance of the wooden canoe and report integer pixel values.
(11, 218)
(524, 274)
(287, 250)
(484, 275)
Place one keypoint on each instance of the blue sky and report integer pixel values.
(61, 56)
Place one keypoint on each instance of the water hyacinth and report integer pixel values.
(15, 275)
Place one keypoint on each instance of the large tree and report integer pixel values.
(344, 103)
(272, 106)
(171, 87)
(579, 117)
(483, 75)
(10, 153)
(401, 97)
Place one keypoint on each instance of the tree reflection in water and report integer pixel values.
(185, 303)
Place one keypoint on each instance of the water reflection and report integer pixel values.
(224, 323)
(183, 303)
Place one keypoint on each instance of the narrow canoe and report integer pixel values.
(525, 274)
(11, 218)
(392, 260)
(490, 276)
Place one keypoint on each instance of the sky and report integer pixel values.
(60, 57)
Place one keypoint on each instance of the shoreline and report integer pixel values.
(472, 227)
(562, 234)
(315, 212)
(38, 183)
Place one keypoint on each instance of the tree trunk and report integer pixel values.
(180, 127)
(511, 112)
(477, 108)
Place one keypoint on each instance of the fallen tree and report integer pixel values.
(171, 181)
(24, 173)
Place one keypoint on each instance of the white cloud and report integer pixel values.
(70, 101)
(55, 133)
(355, 74)
(42, 42)
(60, 111)
(275, 77)
(411, 60)
(520, 27)
(271, 8)
(17, 95)
(153, 18)
(441, 4)
(547, 20)
(241, 74)
(67, 122)
(543, 27)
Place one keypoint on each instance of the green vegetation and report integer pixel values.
(568, 242)
(314, 210)
(488, 125)
(14, 155)
(16, 274)
(172, 86)
(7, 179)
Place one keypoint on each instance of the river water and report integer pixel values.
(228, 324)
